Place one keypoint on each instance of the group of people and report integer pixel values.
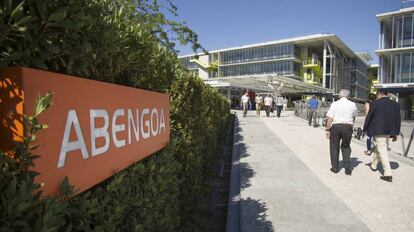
(382, 122)
(268, 102)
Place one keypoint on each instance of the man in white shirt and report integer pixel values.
(245, 103)
(279, 105)
(268, 101)
(340, 119)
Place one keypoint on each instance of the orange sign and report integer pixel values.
(95, 129)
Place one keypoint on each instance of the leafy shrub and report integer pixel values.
(123, 42)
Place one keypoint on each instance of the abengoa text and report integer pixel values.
(145, 123)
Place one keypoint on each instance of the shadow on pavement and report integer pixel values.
(394, 165)
(245, 174)
(354, 162)
(256, 218)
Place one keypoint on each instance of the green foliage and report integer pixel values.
(127, 42)
(21, 206)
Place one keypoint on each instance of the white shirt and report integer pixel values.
(268, 101)
(279, 101)
(343, 111)
(245, 99)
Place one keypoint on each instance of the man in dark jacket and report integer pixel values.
(383, 121)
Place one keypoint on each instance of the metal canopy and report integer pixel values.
(403, 89)
(268, 83)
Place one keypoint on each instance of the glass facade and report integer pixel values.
(403, 31)
(185, 61)
(294, 60)
(402, 68)
(359, 79)
(397, 32)
(276, 67)
(275, 51)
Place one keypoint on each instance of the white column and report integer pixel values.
(324, 65)
(392, 32)
(402, 32)
(411, 71)
(390, 73)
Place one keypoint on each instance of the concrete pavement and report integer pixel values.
(285, 183)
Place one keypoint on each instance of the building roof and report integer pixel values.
(364, 56)
(395, 13)
(267, 83)
(296, 40)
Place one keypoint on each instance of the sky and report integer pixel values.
(230, 23)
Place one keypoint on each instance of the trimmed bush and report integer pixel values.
(123, 42)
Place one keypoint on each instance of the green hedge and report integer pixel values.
(123, 42)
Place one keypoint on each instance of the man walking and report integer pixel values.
(341, 117)
(245, 102)
(383, 121)
(313, 109)
(285, 102)
(268, 101)
(279, 105)
(259, 102)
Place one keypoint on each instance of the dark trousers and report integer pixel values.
(341, 135)
(312, 115)
(268, 109)
(278, 110)
(369, 144)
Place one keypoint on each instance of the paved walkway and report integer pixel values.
(286, 185)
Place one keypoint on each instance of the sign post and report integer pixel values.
(96, 129)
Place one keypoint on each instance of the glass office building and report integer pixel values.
(396, 45)
(396, 57)
(319, 60)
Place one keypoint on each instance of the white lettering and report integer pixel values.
(149, 123)
(135, 128)
(118, 128)
(145, 134)
(154, 129)
(162, 121)
(99, 132)
(68, 146)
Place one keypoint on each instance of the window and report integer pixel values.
(398, 31)
(397, 70)
(407, 31)
(405, 68)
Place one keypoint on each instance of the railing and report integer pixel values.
(311, 62)
(302, 111)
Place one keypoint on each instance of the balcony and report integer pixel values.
(311, 63)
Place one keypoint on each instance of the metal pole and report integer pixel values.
(403, 143)
(390, 73)
(392, 33)
(402, 32)
(409, 143)
(324, 64)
